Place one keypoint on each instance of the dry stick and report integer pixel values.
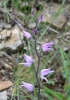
(53, 30)
(6, 55)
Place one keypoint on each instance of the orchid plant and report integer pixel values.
(29, 60)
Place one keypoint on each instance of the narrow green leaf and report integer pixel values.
(48, 96)
(56, 94)
(68, 98)
(67, 87)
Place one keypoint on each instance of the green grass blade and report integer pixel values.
(51, 92)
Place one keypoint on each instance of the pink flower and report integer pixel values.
(28, 86)
(28, 59)
(47, 46)
(45, 72)
(27, 34)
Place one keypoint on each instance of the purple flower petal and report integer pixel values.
(43, 78)
(33, 11)
(40, 18)
(26, 64)
(28, 86)
(28, 59)
(35, 31)
(47, 46)
(27, 34)
(47, 49)
(45, 72)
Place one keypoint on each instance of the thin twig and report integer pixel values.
(6, 55)
(53, 30)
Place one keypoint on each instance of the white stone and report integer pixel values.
(3, 95)
(14, 41)
(49, 13)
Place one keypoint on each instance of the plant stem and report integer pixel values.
(37, 70)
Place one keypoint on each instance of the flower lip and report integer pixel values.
(28, 86)
(27, 34)
(45, 72)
